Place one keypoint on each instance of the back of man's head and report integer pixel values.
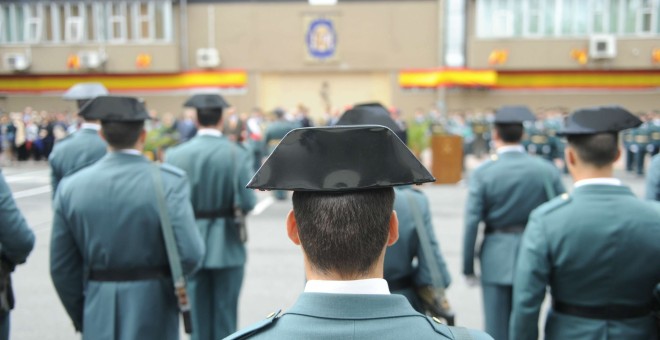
(597, 150)
(209, 117)
(343, 233)
(122, 135)
(510, 132)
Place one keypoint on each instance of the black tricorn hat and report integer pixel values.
(513, 115)
(592, 120)
(115, 109)
(206, 102)
(368, 115)
(339, 159)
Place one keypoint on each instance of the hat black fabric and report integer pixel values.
(372, 105)
(588, 121)
(513, 114)
(115, 109)
(206, 102)
(368, 115)
(340, 158)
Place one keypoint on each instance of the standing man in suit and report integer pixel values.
(108, 260)
(653, 180)
(218, 171)
(342, 218)
(83, 147)
(596, 249)
(406, 266)
(275, 131)
(16, 243)
(502, 194)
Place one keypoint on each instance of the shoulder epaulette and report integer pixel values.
(256, 327)
(439, 327)
(555, 203)
(172, 169)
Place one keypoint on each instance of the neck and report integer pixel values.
(376, 272)
(500, 144)
(592, 172)
(138, 146)
(92, 121)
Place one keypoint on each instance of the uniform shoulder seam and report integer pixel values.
(169, 168)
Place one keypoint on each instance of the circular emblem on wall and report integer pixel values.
(321, 39)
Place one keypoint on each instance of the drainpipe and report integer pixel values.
(183, 32)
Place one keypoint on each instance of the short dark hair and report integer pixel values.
(121, 135)
(510, 132)
(209, 117)
(343, 232)
(598, 150)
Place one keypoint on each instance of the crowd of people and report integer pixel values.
(111, 203)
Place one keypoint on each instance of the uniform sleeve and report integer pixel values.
(423, 276)
(54, 176)
(530, 280)
(188, 239)
(66, 264)
(474, 214)
(247, 196)
(16, 238)
(557, 182)
(653, 180)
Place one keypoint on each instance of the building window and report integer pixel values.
(33, 25)
(143, 21)
(117, 22)
(566, 18)
(74, 23)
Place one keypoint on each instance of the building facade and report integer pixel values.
(461, 54)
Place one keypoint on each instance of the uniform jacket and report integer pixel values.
(350, 316)
(16, 238)
(207, 161)
(653, 180)
(275, 132)
(399, 257)
(106, 217)
(502, 193)
(597, 247)
(81, 149)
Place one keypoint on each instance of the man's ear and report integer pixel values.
(394, 229)
(143, 136)
(618, 154)
(292, 228)
(102, 134)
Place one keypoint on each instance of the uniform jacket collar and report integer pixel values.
(600, 189)
(352, 306)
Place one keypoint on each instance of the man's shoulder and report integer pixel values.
(554, 206)
(255, 328)
(268, 329)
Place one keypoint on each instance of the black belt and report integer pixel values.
(402, 283)
(214, 214)
(514, 229)
(608, 312)
(133, 274)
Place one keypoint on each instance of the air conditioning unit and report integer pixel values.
(91, 59)
(208, 57)
(602, 47)
(16, 61)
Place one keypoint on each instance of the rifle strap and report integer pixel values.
(425, 243)
(166, 228)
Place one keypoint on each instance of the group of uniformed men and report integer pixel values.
(110, 207)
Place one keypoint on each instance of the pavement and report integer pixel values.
(274, 273)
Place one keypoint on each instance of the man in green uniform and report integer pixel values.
(275, 131)
(653, 180)
(108, 260)
(218, 171)
(407, 268)
(342, 216)
(83, 147)
(502, 193)
(16, 243)
(597, 249)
